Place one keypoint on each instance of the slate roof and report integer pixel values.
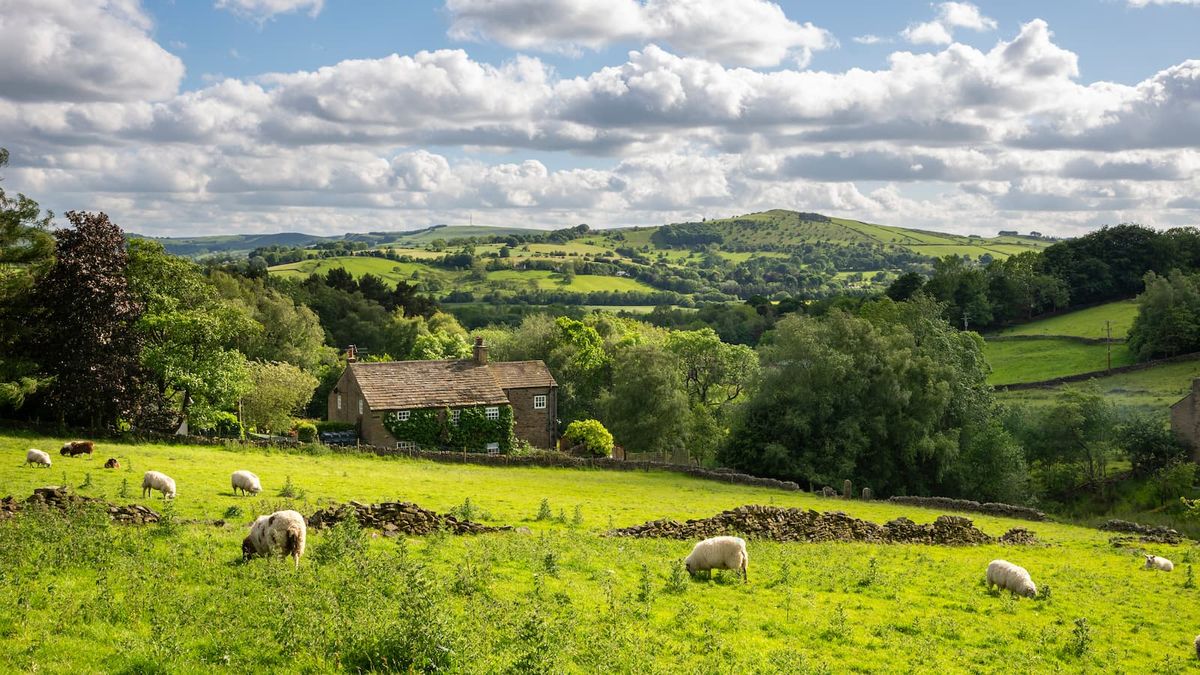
(521, 374)
(402, 385)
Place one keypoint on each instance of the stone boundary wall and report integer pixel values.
(1067, 338)
(1083, 377)
(986, 508)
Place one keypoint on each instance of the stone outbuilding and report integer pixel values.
(366, 392)
(1185, 419)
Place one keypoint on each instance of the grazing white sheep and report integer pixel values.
(1154, 562)
(246, 482)
(719, 553)
(1012, 577)
(35, 456)
(282, 533)
(154, 480)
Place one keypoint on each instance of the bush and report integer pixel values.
(1149, 444)
(306, 432)
(592, 435)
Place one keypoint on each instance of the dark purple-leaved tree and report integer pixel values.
(84, 314)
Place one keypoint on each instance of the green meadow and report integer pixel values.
(1088, 323)
(1035, 360)
(80, 595)
(1149, 391)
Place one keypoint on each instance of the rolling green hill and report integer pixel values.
(1152, 390)
(1087, 323)
(563, 598)
(1040, 359)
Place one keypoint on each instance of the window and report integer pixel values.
(360, 406)
(454, 415)
(493, 448)
(339, 401)
(407, 445)
(539, 402)
(492, 413)
(402, 415)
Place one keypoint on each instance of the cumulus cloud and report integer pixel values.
(951, 15)
(1144, 3)
(262, 10)
(753, 33)
(869, 39)
(82, 50)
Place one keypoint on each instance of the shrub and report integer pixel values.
(232, 512)
(306, 432)
(544, 512)
(344, 540)
(290, 491)
(592, 435)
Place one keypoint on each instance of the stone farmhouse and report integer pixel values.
(1185, 419)
(368, 393)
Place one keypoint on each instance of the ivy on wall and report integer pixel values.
(432, 428)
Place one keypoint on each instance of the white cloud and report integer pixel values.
(743, 32)
(1144, 3)
(870, 39)
(262, 10)
(82, 50)
(950, 15)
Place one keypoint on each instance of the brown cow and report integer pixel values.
(72, 448)
(112, 463)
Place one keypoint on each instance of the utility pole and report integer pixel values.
(1108, 341)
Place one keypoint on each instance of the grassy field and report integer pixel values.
(1043, 359)
(1150, 391)
(515, 280)
(1087, 323)
(78, 595)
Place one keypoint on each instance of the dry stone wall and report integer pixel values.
(396, 518)
(986, 508)
(793, 524)
(1164, 535)
(61, 498)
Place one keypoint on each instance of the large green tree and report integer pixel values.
(646, 408)
(277, 392)
(26, 251)
(883, 399)
(1168, 319)
(189, 334)
(86, 317)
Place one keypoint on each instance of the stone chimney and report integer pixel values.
(480, 352)
(351, 354)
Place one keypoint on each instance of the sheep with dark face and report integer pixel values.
(36, 457)
(73, 448)
(719, 553)
(112, 463)
(282, 533)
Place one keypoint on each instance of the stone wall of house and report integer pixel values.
(1185, 422)
(537, 427)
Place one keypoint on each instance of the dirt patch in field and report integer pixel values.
(396, 518)
(780, 524)
(61, 498)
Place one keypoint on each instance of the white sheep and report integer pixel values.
(155, 480)
(35, 456)
(1154, 562)
(1012, 577)
(282, 533)
(719, 553)
(246, 482)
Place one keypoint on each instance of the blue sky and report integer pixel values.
(185, 117)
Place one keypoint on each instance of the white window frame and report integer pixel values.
(407, 445)
(540, 401)
(492, 413)
(493, 448)
(360, 405)
(403, 415)
(455, 415)
(339, 401)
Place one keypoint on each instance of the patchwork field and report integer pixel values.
(177, 598)
(1089, 323)
(1047, 358)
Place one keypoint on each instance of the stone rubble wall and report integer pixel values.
(396, 518)
(61, 498)
(986, 508)
(793, 524)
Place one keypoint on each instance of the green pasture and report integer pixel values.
(79, 595)
(1035, 360)
(1088, 322)
(1152, 390)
